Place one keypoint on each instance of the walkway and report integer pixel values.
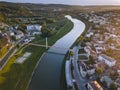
(76, 73)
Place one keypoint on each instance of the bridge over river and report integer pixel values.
(47, 75)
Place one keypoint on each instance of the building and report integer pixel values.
(100, 65)
(107, 79)
(19, 34)
(89, 34)
(90, 69)
(90, 52)
(118, 72)
(94, 85)
(34, 28)
(86, 70)
(99, 47)
(108, 60)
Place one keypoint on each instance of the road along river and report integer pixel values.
(48, 72)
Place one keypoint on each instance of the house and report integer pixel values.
(100, 65)
(89, 34)
(99, 47)
(90, 69)
(118, 82)
(108, 60)
(86, 70)
(93, 85)
(11, 33)
(35, 33)
(118, 72)
(90, 52)
(4, 40)
(19, 34)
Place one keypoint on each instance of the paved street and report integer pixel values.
(7, 56)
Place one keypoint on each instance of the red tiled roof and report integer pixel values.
(96, 86)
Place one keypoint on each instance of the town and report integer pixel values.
(97, 55)
(49, 47)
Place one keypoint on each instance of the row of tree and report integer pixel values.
(46, 32)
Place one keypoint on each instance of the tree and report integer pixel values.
(114, 75)
(47, 32)
(44, 24)
(2, 16)
(22, 27)
(104, 83)
(51, 32)
(113, 86)
(44, 31)
(50, 20)
(99, 71)
(83, 44)
(15, 20)
(72, 53)
(13, 38)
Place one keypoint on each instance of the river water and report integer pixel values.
(48, 72)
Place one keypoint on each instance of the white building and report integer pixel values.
(12, 33)
(90, 70)
(89, 34)
(36, 33)
(19, 34)
(108, 60)
(118, 72)
(34, 27)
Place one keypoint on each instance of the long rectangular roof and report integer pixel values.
(107, 57)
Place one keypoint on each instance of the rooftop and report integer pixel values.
(96, 85)
(107, 57)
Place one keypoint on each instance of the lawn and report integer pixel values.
(82, 57)
(81, 51)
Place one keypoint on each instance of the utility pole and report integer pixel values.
(46, 43)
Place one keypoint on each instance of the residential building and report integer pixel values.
(100, 65)
(90, 52)
(94, 85)
(90, 69)
(118, 72)
(19, 34)
(107, 79)
(108, 60)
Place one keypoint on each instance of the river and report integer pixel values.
(48, 72)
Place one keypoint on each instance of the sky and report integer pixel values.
(70, 2)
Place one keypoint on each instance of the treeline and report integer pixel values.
(14, 9)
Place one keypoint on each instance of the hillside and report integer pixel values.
(12, 10)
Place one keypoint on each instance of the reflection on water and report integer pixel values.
(47, 75)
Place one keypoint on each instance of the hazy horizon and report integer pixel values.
(69, 2)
